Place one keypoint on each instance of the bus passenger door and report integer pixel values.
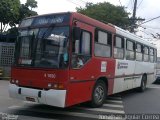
(81, 71)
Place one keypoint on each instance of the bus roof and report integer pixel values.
(47, 15)
(131, 36)
(109, 27)
(82, 18)
(93, 22)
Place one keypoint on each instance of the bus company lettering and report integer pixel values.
(47, 75)
(122, 65)
(49, 20)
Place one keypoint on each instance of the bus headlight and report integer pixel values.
(49, 85)
(55, 86)
(58, 86)
(12, 81)
(17, 81)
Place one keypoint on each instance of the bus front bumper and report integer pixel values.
(50, 97)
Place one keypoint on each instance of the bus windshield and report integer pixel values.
(43, 47)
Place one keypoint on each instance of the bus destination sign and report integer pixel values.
(44, 20)
(48, 20)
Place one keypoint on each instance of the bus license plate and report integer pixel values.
(31, 99)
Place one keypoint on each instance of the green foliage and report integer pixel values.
(31, 4)
(26, 10)
(107, 13)
(13, 31)
(9, 12)
(12, 12)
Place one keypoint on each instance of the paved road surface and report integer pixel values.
(129, 102)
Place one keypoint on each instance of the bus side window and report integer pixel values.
(146, 54)
(82, 51)
(139, 52)
(130, 51)
(155, 55)
(151, 53)
(118, 47)
(103, 42)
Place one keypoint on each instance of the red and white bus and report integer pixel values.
(64, 59)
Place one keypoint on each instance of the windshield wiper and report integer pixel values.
(51, 27)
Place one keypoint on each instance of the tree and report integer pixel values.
(31, 4)
(107, 13)
(26, 9)
(9, 12)
(12, 12)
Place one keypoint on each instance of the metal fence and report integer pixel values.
(6, 58)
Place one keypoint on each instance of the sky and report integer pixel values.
(146, 9)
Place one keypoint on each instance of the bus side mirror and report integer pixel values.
(76, 33)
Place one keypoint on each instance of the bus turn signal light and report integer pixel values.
(17, 81)
(12, 81)
(58, 86)
(49, 85)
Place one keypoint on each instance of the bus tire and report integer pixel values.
(99, 94)
(142, 88)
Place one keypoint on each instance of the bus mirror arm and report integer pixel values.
(76, 33)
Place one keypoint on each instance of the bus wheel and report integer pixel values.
(143, 83)
(99, 94)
